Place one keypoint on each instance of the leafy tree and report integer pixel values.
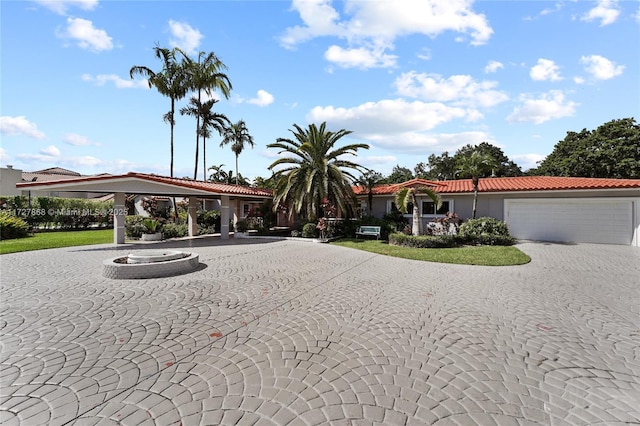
(610, 151)
(315, 171)
(476, 165)
(399, 175)
(503, 167)
(441, 167)
(204, 74)
(407, 198)
(237, 135)
(260, 182)
(367, 182)
(170, 81)
(218, 174)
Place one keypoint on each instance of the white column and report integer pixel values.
(119, 214)
(224, 217)
(192, 216)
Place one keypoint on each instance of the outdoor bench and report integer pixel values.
(368, 230)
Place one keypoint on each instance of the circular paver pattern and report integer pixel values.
(290, 333)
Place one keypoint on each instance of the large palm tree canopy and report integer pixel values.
(237, 135)
(315, 170)
(169, 82)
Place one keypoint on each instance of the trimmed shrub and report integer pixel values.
(424, 241)
(134, 226)
(174, 230)
(486, 231)
(12, 227)
(309, 230)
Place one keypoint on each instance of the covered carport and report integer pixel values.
(154, 185)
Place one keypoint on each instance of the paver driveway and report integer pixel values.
(289, 332)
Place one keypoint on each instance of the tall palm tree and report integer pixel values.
(210, 121)
(237, 135)
(367, 182)
(474, 166)
(315, 171)
(205, 74)
(170, 81)
(407, 196)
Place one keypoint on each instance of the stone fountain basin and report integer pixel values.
(150, 264)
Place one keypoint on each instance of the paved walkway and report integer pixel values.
(286, 332)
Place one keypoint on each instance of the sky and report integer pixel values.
(410, 78)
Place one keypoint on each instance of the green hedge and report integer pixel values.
(425, 241)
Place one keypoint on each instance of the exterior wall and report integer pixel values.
(8, 179)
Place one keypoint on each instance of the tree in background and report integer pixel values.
(204, 74)
(237, 135)
(399, 175)
(439, 167)
(315, 171)
(476, 165)
(610, 151)
(170, 81)
(503, 165)
(406, 200)
(367, 182)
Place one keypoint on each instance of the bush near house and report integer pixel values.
(12, 227)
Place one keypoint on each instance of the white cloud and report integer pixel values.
(19, 126)
(606, 11)
(370, 27)
(61, 6)
(50, 151)
(527, 161)
(374, 160)
(86, 35)
(360, 57)
(120, 83)
(545, 69)
(422, 142)
(185, 37)
(78, 140)
(550, 105)
(579, 80)
(493, 66)
(424, 54)
(387, 116)
(600, 67)
(263, 98)
(461, 90)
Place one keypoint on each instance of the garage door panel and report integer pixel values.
(571, 220)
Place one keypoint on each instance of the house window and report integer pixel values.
(391, 206)
(429, 207)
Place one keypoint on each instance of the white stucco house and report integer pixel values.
(564, 209)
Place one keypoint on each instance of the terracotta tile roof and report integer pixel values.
(221, 188)
(514, 184)
(394, 187)
(218, 188)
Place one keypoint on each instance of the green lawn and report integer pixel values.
(45, 240)
(477, 255)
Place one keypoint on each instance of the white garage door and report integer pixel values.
(604, 221)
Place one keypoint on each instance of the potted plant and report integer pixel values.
(152, 233)
(241, 228)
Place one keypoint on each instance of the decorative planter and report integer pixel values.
(152, 237)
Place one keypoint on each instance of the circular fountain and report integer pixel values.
(150, 264)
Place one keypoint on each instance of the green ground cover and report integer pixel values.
(46, 240)
(468, 255)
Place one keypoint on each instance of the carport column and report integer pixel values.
(224, 217)
(193, 216)
(119, 214)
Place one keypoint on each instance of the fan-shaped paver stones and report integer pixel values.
(304, 334)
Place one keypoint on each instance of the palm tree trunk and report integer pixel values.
(204, 158)
(195, 169)
(475, 201)
(236, 169)
(417, 221)
(171, 125)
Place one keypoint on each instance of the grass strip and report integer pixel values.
(468, 255)
(47, 240)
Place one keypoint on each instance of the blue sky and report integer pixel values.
(409, 77)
